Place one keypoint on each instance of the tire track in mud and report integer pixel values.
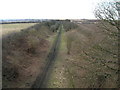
(50, 60)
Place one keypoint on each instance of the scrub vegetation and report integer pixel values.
(87, 56)
(93, 59)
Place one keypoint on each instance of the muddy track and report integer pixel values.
(50, 60)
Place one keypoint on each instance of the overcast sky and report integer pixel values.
(47, 9)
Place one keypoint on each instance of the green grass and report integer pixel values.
(61, 76)
(56, 78)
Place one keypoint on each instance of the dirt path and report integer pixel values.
(42, 78)
(59, 76)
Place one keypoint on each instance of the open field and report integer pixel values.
(10, 28)
(84, 56)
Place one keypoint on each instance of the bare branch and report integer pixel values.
(108, 11)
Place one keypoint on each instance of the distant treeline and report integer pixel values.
(19, 22)
(13, 21)
(28, 21)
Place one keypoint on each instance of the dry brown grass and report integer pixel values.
(24, 55)
(10, 28)
(93, 57)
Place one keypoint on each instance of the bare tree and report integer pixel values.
(109, 12)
